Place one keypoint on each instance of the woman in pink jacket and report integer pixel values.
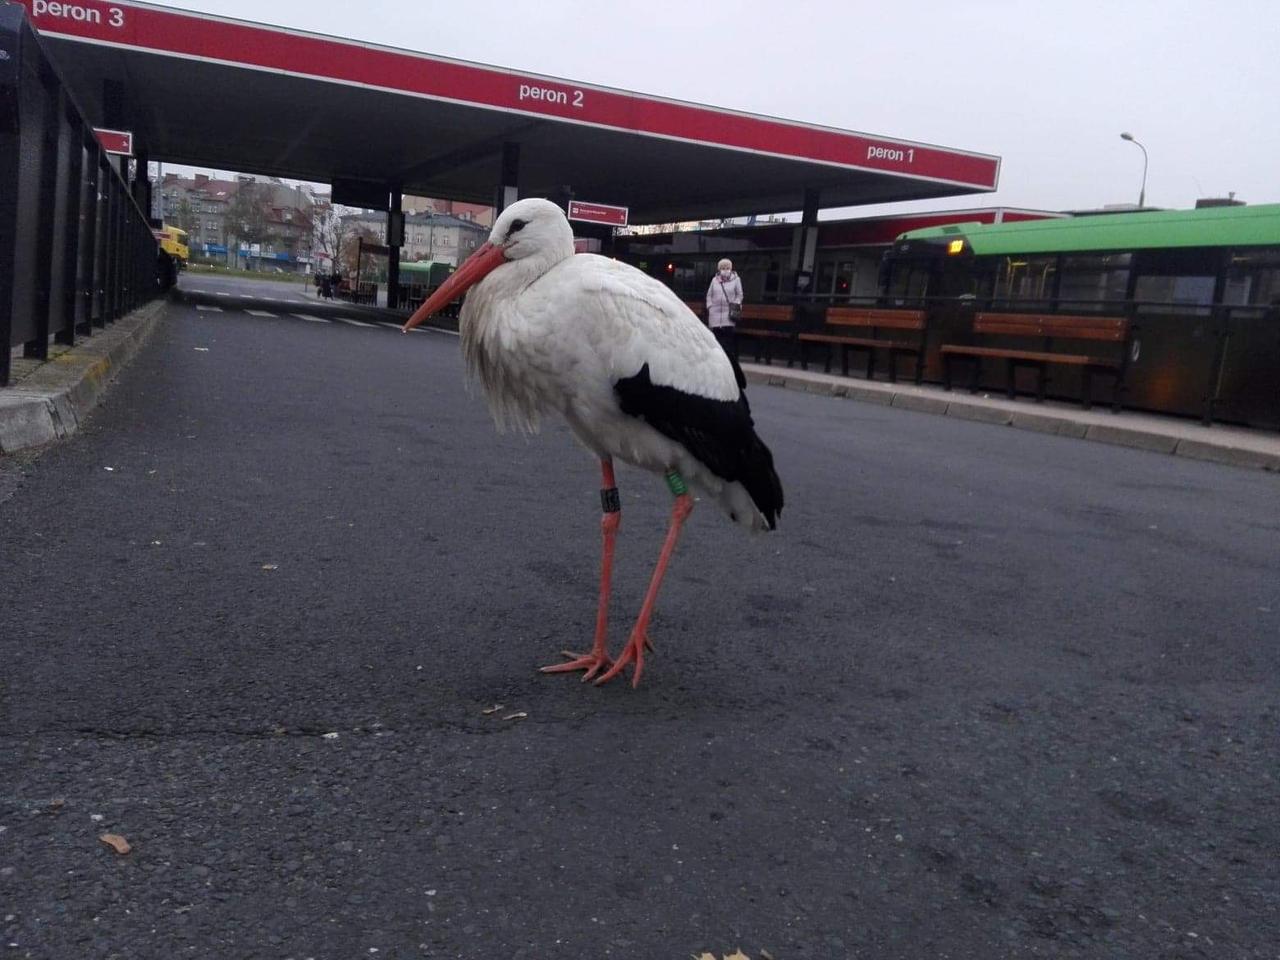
(724, 305)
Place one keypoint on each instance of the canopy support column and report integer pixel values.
(508, 191)
(142, 182)
(804, 245)
(395, 239)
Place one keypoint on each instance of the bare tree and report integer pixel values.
(247, 214)
(184, 218)
(327, 233)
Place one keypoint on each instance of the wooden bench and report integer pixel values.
(840, 325)
(766, 324)
(1048, 330)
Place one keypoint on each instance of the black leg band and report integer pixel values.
(609, 501)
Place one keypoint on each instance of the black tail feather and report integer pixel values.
(761, 480)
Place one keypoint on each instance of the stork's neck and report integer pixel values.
(518, 275)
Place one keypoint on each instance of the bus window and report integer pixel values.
(908, 282)
(1253, 279)
(1176, 281)
(963, 279)
(1025, 281)
(905, 277)
(1093, 282)
(1177, 294)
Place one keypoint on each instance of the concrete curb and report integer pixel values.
(51, 404)
(1225, 445)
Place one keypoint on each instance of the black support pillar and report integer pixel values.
(508, 190)
(141, 185)
(115, 116)
(395, 240)
(10, 170)
(804, 245)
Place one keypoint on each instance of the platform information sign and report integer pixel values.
(598, 213)
(115, 141)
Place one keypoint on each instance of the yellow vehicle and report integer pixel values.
(173, 241)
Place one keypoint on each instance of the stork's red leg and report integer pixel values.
(633, 652)
(598, 659)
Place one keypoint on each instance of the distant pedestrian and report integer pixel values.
(724, 306)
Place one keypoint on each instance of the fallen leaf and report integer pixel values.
(270, 566)
(203, 349)
(515, 716)
(494, 709)
(737, 955)
(331, 736)
(765, 954)
(116, 842)
(703, 956)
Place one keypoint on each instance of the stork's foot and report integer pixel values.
(633, 652)
(592, 663)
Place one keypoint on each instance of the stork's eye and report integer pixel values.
(516, 225)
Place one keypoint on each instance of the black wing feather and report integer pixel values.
(719, 433)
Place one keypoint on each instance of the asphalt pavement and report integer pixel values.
(986, 693)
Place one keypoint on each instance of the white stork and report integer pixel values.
(629, 367)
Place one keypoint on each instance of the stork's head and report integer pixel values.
(532, 233)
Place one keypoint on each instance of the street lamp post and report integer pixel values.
(1142, 194)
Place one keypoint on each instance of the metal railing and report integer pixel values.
(76, 252)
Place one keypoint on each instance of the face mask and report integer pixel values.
(726, 274)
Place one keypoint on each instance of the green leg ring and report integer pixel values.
(676, 483)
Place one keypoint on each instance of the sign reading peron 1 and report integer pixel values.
(598, 213)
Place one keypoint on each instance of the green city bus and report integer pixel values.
(1200, 289)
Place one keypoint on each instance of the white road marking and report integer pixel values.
(260, 313)
(354, 323)
(208, 308)
(223, 294)
(307, 316)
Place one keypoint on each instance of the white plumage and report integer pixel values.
(626, 364)
(553, 332)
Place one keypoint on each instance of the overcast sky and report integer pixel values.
(1046, 86)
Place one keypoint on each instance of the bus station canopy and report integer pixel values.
(210, 91)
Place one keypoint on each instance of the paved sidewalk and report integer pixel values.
(1183, 438)
(48, 399)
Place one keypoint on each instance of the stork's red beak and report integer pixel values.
(474, 269)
